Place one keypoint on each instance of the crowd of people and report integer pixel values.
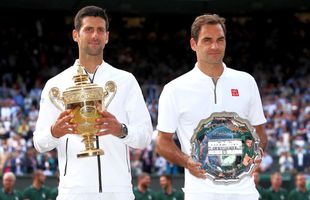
(143, 190)
(156, 50)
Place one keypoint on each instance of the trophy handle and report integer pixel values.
(54, 95)
(110, 87)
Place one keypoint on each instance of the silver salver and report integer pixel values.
(226, 146)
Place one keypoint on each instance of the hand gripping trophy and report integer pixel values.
(85, 100)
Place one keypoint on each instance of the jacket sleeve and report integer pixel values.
(42, 137)
(139, 121)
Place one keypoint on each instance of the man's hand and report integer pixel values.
(194, 168)
(108, 124)
(257, 161)
(62, 126)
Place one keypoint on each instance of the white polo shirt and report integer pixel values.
(193, 97)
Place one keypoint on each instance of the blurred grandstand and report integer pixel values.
(269, 39)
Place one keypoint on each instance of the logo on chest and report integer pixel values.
(234, 92)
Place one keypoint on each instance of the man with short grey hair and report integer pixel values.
(8, 192)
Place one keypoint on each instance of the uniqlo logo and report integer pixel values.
(234, 92)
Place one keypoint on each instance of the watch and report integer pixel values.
(124, 131)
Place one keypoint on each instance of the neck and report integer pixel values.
(8, 190)
(212, 70)
(302, 189)
(37, 185)
(142, 188)
(90, 63)
(276, 189)
(168, 189)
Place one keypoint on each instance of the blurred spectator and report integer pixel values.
(276, 192)
(136, 164)
(300, 192)
(266, 163)
(263, 194)
(283, 144)
(167, 191)
(31, 163)
(160, 165)
(142, 191)
(147, 159)
(286, 162)
(301, 159)
(8, 191)
(19, 162)
(37, 190)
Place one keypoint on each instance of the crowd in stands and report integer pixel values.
(273, 48)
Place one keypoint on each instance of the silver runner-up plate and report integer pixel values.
(226, 146)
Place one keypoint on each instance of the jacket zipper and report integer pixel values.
(99, 166)
(128, 166)
(65, 171)
(215, 99)
(215, 83)
(97, 138)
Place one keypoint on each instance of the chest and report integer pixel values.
(199, 101)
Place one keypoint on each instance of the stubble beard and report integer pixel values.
(94, 51)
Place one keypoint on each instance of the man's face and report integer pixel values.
(42, 178)
(8, 183)
(276, 181)
(92, 37)
(211, 44)
(301, 181)
(163, 182)
(146, 181)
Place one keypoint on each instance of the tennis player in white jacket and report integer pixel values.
(126, 122)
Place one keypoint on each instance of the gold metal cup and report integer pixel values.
(85, 100)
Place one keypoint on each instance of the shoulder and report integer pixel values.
(118, 72)
(28, 188)
(181, 82)
(17, 193)
(184, 77)
(236, 74)
(63, 76)
(135, 190)
(283, 190)
(45, 188)
(177, 193)
(293, 192)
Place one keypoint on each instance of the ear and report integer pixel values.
(75, 35)
(107, 40)
(193, 44)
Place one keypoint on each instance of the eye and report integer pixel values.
(221, 40)
(88, 29)
(101, 30)
(206, 40)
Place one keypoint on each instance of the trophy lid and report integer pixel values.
(83, 90)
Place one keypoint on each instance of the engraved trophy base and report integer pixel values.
(91, 152)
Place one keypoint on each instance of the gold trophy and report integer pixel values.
(85, 100)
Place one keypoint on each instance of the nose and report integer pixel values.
(214, 45)
(95, 34)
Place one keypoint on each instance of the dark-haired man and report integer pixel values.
(208, 88)
(168, 192)
(125, 123)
